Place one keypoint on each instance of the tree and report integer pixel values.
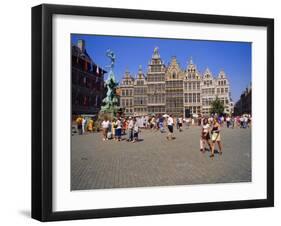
(217, 106)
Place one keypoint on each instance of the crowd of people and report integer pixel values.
(129, 128)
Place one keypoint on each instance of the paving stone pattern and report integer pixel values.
(155, 161)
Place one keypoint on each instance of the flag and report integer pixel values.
(98, 71)
(85, 65)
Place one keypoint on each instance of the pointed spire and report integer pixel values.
(127, 73)
(190, 61)
(174, 59)
(156, 54)
(140, 72)
(222, 74)
(190, 65)
(207, 71)
(140, 69)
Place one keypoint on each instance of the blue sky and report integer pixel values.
(234, 58)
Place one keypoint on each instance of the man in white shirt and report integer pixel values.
(118, 129)
(130, 128)
(170, 124)
(105, 125)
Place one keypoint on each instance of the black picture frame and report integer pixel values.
(42, 111)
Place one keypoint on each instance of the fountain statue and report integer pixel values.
(110, 101)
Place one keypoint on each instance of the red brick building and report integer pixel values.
(87, 82)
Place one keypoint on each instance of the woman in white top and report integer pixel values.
(205, 135)
(216, 137)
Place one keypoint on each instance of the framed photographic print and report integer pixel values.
(145, 112)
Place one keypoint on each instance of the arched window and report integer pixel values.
(174, 75)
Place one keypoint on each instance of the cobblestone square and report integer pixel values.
(156, 161)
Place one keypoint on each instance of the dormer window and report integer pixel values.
(174, 75)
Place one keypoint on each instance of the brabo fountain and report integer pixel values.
(110, 102)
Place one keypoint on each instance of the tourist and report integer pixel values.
(222, 120)
(245, 122)
(205, 135)
(113, 128)
(152, 123)
(241, 119)
(228, 121)
(161, 124)
(238, 123)
(83, 125)
(216, 138)
(233, 119)
(157, 122)
(118, 129)
(124, 126)
(130, 129)
(180, 121)
(170, 124)
(79, 124)
(105, 127)
(135, 131)
(90, 126)
(177, 123)
(109, 132)
(249, 121)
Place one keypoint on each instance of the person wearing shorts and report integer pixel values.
(216, 138)
(205, 136)
(180, 123)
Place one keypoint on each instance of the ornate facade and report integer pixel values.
(156, 84)
(127, 94)
(140, 94)
(172, 90)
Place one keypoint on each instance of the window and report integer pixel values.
(198, 85)
(190, 98)
(194, 86)
(194, 97)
